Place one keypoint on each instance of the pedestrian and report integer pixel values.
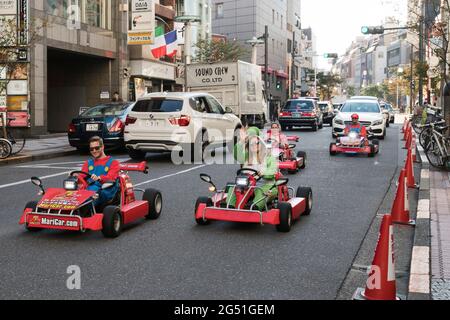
(116, 97)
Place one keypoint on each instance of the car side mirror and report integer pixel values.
(206, 178)
(292, 146)
(38, 183)
(228, 110)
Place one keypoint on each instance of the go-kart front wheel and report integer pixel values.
(155, 203)
(285, 217)
(208, 202)
(372, 152)
(112, 222)
(332, 153)
(31, 205)
(302, 154)
(306, 193)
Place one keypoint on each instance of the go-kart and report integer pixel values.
(287, 160)
(280, 212)
(72, 207)
(353, 143)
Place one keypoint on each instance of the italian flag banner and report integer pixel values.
(165, 44)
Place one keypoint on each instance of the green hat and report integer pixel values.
(253, 131)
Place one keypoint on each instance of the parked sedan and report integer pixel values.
(105, 120)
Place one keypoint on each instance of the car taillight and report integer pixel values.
(72, 128)
(118, 126)
(285, 114)
(130, 120)
(308, 114)
(182, 121)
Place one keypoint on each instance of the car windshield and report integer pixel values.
(105, 110)
(323, 106)
(158, 105)
(363, 106)
(388, 107)
(299, 105)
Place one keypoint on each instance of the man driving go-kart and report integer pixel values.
(101, 169)
(355, 141)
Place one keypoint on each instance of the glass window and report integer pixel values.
(198, 104)
(219, 10)
(158, 105)
(299, 105)
(215, 105)
(106, 110)
(361, 107)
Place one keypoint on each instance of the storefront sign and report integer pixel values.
(104, 95)
(150, 69)
(17, 87)
(21, 119)
(8, 6)
(17, 103)
(141, 5)
(140, 38)
(142, 21)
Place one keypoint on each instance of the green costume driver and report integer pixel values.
(251, 153)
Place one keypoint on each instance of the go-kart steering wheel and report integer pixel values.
(83, 181)
(251, 172)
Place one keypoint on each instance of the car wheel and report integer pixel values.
(302, 154)
(387, 124)
(31, 205)
(306, 193)
(155, 203)
(208, 202)
(314, 127)
(136, 154)
(285, 217)
(198, 148)
(321, 125)
(112, 222)
(332, 153)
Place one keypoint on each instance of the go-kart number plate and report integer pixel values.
(92, 127)
(54, 222)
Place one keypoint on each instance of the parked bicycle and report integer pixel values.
(435, 144)
(9, 144)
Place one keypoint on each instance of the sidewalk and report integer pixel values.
(39, 149)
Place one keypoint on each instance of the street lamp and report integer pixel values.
(187, 20)
(254, 42)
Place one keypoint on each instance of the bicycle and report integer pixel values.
(5, 148)
(16, 144)
(437, 146)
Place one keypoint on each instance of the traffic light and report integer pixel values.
(278, 85)
(330, 55)
(126, 73)
(372, 30)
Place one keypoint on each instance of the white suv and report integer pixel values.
(370, 115)
(178, 121)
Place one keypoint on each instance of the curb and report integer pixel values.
(420, 275)
(37, 157)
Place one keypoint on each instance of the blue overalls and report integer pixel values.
(99, 170)
(355, 129)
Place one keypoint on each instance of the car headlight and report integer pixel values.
(339, 122)
(242, 182)
(377, 123)
(70, 184)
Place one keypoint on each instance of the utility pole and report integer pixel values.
(293, 65)
(266, 66)
(411, 85)
(421, 51)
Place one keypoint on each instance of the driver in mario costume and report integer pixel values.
(101, 169)
(357, 127)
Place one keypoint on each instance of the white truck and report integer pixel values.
(237, 85)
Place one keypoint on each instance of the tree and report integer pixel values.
(219, 51)
(326, 83)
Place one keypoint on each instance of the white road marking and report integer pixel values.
(50, 165)
(28, 180)
(170, 175)
(423, 209)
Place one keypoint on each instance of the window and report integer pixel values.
(158, 105)
(219, 10)
(299, 105)
(106, 110)
(215, 106)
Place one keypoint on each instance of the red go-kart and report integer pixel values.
(353, 143)
(72, 207)
(280, 212)
(285, 154)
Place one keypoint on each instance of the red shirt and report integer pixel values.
(113, 172)
(362, 133)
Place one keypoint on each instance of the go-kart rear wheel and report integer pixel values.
(302, 154)
(306, 193)
(136, 154)
(208, 202)
(31, 205)
(332, 153)
(112, 222)
(285, 217)
(155, 203)
(372, 151)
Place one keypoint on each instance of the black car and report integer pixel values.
(327, 111)
(105, 120)
(301, 113)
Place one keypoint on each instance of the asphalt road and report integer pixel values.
(173, 258)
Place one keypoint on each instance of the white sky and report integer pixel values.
(336, 23)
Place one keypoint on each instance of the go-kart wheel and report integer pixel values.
(306, 193)
(302, 154)
(155, 203)
(31, 205)
(112, 222)
(208, 202)
(372, 151)
(332, 153)
(376, 142)
(285, 217)
(136, 154)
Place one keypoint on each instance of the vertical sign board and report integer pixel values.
(23, 22)
(142, 26)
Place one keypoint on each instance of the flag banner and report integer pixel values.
(165, 44)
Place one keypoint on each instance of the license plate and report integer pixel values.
(296, 115)
(92, 127)
(151, 123)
